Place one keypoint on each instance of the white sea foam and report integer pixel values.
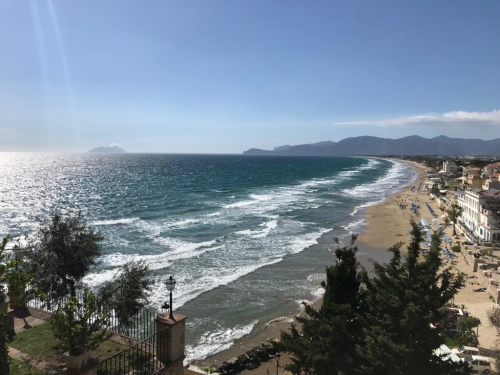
(382, 186)
(96, 279)
(318, 293)
(215, 214)
(182, 250)
(214, 342)
(361, 206)
(302, 302)
(355, 224)
(235, 261)
(182, 223)
(263, 231)
(286, 319)
(115, 221)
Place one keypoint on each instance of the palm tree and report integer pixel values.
(454, 212)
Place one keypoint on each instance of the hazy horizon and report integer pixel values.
(223, 77)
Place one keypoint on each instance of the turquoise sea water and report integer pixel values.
(247, 238)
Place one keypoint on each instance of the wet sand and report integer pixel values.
(273, 329)
(386, 224)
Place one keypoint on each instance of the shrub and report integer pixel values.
(494, 317)
(81, 325)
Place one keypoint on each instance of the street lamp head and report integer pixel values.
(164, 308)
(171, 283)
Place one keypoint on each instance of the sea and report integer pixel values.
(247, 238)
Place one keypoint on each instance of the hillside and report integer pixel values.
(412, 145)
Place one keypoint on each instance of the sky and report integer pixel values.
(222, 76)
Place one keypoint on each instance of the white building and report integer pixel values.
(481, 213)
(449, 166)
(492, 182)
(491, 169)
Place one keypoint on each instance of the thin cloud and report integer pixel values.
(115, 145)
(458, 118)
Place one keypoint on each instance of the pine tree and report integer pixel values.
(4, 351)
(61, 253)
(325, 345)
(403, 298)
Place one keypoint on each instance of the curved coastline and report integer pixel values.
(368, 250)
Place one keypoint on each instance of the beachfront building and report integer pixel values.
(452, 197)
(473, 171)
(449, 166)
(492, 182)
(491, 169)
(481, 214)
(473, 181)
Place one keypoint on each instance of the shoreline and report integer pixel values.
(367, 251)
(386, 223)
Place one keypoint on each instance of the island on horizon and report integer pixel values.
(108, 150)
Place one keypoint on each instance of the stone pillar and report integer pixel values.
(170, 344)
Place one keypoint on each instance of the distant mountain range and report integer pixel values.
(108, 150)
(375, 146)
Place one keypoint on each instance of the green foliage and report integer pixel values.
(61, 254)
(494, 317)
(378, 324)
(81, 326)
(12, 274)
(128, 293)
(208, 369)
(23, 368)
(456, 248)
(465, 328)
(17, 281)
(454, 213)
(329, 335)
(404, 297)
(4, 352)
(5, 265)
(40, 343)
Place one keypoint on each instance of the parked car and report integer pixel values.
(446, 354)
(479, 363)
(466, 351)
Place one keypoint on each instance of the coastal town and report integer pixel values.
(475, 188)
(440, 184)
(458, 198)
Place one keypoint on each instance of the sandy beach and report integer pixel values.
(386, 225)
(371, 242)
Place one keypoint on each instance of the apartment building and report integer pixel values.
(481, 213)
(449, 166)
(492, 182)
(491, 169)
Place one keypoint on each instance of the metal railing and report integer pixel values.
(145, 358)
(141, 326)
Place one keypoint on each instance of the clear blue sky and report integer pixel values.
(224, 76)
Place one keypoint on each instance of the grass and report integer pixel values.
(40, 343)
(22, 368)
(450, 343)
(488, 250)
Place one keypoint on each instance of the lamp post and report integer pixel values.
(278, 355)
(171, 286)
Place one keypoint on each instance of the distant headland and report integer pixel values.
(375, 146)
(108, 150)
